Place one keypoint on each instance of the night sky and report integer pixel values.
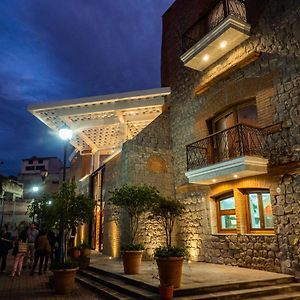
(60, 49)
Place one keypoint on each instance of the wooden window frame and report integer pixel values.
(262, 230)
(226, 212)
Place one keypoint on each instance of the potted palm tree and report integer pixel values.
(65, 209)
(169, 258)
(136, 201)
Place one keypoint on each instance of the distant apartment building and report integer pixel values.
(224, 139)
(41, 172)
(12, 209)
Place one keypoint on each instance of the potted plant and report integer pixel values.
(169, 258)
(65, 209)
(85, 249)
(135, 200)
(75, 252)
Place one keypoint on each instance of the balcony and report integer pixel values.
(216, 33)
(229, 154)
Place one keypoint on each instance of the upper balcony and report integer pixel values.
(229, 154)
(217, 32)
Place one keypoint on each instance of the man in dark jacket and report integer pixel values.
(5, 245)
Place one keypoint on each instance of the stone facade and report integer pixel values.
(157, 156)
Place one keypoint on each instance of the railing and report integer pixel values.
(211, 19)
(237, 141)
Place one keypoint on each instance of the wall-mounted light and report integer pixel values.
(206, 57)
(223, 44)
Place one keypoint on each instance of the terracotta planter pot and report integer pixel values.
(170, 270)
(132, 262)
(64, 280)
(75, 253)
(166, 292)
(85, 252)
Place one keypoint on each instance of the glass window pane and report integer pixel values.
(228, 222)
(254, 211)
(227, 203)
(267, 206)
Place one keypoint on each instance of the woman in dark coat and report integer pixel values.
(5, 245)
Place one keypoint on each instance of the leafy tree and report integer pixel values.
(136, 200)
(166, 211)
(62, 210)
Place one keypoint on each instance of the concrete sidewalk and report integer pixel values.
(35, 287)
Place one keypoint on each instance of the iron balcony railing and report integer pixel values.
(237, 141)
(215, 15)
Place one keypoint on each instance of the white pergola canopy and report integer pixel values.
(103, 123)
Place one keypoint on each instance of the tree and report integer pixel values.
(136, 200)
(65, 209)
(166, 211)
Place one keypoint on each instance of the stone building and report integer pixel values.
(225, 141)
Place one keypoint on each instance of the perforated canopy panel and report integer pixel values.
(103, 123)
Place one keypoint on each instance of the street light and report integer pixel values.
(35, 189)
(66, 135)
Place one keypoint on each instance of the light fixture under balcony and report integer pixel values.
(223, 38)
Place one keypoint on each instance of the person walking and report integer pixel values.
(42, 250)
(5, 245)
(32, 234)
(19, 251)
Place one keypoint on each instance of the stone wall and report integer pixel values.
(273, 80)
(146, 159)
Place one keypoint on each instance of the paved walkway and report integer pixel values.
(28, 287)
(194, 274)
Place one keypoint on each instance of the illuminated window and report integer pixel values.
(260, 211)
(226, 213)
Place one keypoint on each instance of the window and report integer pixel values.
(260, 211)
(29, 168)
(30, 162)
(40, 167)
(226, 213)
(40, 161)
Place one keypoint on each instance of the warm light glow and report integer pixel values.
(235, 176)
(189, 261)
(110, 257)
(35, 189)
(214, 180)
(223, 44)
(65, 133)
(206, 57)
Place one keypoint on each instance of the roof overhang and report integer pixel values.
(103, 123)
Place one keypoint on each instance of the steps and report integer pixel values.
(115, 286)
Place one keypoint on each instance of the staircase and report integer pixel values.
(115, 286)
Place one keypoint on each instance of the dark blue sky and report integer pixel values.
(60, 49)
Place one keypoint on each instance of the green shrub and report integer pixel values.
(170, 251)
(133, 247)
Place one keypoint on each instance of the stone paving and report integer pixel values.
(195, 274)
(36, 287)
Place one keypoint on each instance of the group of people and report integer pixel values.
(31, 245)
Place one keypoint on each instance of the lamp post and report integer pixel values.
(66, 135)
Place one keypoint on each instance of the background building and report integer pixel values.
(12, 207)
(42, 172)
